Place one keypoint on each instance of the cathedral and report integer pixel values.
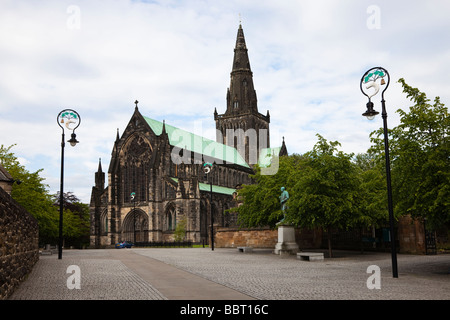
(156, 176)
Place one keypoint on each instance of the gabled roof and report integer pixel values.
(201, 145)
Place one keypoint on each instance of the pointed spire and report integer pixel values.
(99, 165)
(240, 40)
(241, 95)
(164, 134)
(136, 103)
(241, 61)
(283, 150)
(100, 177)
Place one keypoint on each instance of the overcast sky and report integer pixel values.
(175, 57)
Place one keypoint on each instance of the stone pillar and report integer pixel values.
(286, 240)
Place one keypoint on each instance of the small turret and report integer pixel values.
(100, 177)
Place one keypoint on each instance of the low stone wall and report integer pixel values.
(19, 244)
(264, 238)
(256, 238)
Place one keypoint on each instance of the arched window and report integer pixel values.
(134, 163)
(171, 219)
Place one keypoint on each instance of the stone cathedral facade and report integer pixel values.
(156, 175)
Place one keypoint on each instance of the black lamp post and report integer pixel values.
(133, 198)
(72, 120)
(207, 168)
(369, 81)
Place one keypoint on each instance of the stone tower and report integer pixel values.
(242, 126)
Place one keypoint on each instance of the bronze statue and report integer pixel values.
(284, 197)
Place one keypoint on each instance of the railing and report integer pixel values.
(165, 244)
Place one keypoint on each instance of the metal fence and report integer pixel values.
(165, 244)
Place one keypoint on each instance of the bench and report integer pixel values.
(310, 256)
(245, 249)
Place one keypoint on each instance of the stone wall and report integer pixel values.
(411, 235)
(19, 244)
(263, 238)
(256, 238)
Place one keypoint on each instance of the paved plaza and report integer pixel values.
(227, 274)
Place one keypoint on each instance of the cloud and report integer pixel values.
(175, 57)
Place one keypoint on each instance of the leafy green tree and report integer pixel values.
(324, 189)
(373, 191)
(260, 204)
(180, 230)
(326, 193)
(32, 194)
(75, 220)
(420, 153)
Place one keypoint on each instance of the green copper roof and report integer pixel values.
(186, 140)
(215, 189)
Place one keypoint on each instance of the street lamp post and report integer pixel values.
(207, 168)
(71, 120)
(369, 81)
(133, 198)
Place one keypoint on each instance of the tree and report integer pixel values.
(32, 194)
(76, 220)
(420, 153)
(326, 193)
(373, 197)
(259, 201)
(180, 230)
(323, 185)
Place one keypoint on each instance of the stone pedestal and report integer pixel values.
(286, 240)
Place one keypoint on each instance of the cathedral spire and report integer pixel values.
(242, 126)
(241, 95)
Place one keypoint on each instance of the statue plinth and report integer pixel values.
(286, 240)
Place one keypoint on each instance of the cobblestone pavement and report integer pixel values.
(261, 275)
(267, 276)
(102, 278)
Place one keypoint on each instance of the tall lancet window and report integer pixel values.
(171, 219)
(135, 169)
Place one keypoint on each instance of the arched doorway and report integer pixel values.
(135, 226)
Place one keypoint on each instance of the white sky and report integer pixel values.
(175, 57)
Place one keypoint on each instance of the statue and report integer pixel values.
(284, 197)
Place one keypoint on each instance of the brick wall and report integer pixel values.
(19, 248)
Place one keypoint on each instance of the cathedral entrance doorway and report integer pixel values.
(135, 226)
